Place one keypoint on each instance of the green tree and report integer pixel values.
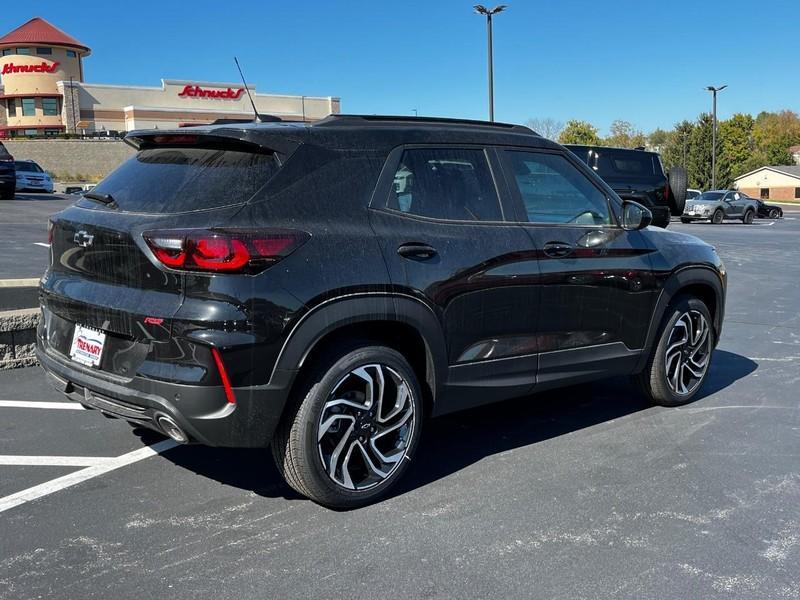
(699, 153)
(624, 135)
(579, 132)
(675, 151)
(736, 148)
(658, 139)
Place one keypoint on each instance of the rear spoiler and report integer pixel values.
(280, 140)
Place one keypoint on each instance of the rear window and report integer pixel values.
(28, 167)
(626, 163)
(172, 180)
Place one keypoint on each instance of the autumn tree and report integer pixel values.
(624, 135)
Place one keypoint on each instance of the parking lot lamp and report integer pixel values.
(714, 91)
(482, 10)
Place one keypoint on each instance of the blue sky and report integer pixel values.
(643, 61)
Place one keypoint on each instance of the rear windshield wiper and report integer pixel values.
(106, 199)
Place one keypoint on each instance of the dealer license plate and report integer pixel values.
(87, 346)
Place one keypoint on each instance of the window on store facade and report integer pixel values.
(44, 51)
(797, 193)
(7, 51)
(31, 132)
(51, 132)
(23, 50)
(11, 107)
(71, 53)
(29, 107)
(765, 193)
(50, 107)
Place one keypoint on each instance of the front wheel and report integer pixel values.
(748, 217)
(685, 220)
(355, 429)
(773, 213)
(717, 217)
(680, 360)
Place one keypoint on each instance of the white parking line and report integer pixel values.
(55, 485)
(50, 405)
(42, 244)
(54, 461)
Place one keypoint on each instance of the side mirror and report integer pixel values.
(635, 216)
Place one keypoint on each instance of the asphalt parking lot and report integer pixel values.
(23, 233)
(582, 493)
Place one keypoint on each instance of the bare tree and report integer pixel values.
(547, 127)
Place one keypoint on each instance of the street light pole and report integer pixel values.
(714, 91)
(482, 10)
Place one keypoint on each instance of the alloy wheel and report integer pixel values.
(366, 427)
(688, 353)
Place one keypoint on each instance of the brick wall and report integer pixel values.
(68, 158)
(775, 193)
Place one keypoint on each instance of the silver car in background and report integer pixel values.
(718, 205)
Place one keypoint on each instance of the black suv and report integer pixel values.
(636, 174)
(322, 288)
(8, 174)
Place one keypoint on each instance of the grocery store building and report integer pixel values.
(43, 92)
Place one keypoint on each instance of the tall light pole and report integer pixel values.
(714, 91)
(482, 10)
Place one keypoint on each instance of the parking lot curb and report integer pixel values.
(18, 337)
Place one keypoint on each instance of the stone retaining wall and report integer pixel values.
(67, 159)
(18, 337)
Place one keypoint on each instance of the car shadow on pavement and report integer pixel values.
(453, 442)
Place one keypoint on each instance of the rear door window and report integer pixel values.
(445, 183)
(631, 164)
(172, 180)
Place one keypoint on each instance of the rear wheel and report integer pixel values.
(749, 215)
(7, 194)
(685, 220)
(680, 360)
(717, 217)
(678, 182)
(355, 429)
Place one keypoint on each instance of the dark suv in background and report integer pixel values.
(8, 174)
(636, 174)
(322, 288)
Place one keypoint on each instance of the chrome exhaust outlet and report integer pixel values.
(171, 428)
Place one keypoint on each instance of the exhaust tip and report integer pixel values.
(172, 429)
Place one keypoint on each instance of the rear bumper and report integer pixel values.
(201, 411)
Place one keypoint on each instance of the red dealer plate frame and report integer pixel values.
(87, 346)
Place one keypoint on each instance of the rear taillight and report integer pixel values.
(666, 191)
(223, 251)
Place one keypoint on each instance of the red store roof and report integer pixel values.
(38, 31)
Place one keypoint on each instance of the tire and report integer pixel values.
(773, 213)
(658, 380)
(748, 217)
(7, 194)
(717, 217)
(683, 220)
(330, 466)
(678, 182)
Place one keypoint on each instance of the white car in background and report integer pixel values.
(32, 178)
(692, 194)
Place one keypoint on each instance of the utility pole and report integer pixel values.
(714, 91)
(482, 10)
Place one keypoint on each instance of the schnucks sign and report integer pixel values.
(195, 91)
(43, 67)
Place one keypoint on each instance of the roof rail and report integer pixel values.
(344, 119)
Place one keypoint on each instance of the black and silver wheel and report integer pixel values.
(680, 361)
(355, 431)
(773, 213)
(717, 217)
(749, 215)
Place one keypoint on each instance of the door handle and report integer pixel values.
(558, 249)
(416, 251)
